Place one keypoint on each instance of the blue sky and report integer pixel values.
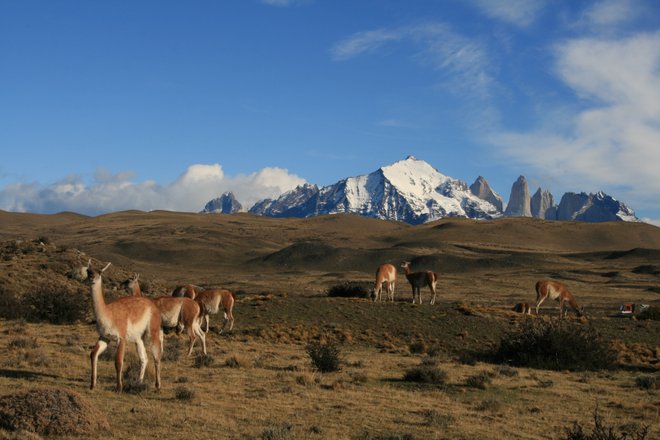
(147, 105)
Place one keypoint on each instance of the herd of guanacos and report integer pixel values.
(139, 319)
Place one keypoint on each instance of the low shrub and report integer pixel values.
(602, 432)
(480, 381)
(647, 382)
(429, 374)
(325, 356)
(55, 302)
(203, 360)
(651, 312)
(184, 393)
(283, 431)
(349, 289)
(555, 345)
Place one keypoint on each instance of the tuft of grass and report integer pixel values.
(22, 342)
(418, 347)
(279, 431)
(647, 382)
(55, 302)
(234, 362)
(184, 393)
(480, 381)
(602, 432)
(434, 419)
(203, 361)
(325, 356)
(555, 345)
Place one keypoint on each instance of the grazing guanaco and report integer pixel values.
(210, 300)
(128, 319)
(187, 290)
(182, 313)
(420, 279)
(179, 312)
(559, 292)
(386, 273)
(523, 308)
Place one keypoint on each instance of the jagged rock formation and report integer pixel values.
(225, 204)
(482, 189)
(410, 190)
(414, 192)
(543, 205)
(519, 202)
(597, 207)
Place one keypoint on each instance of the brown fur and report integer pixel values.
(386, 273)
(523, 308)
(182, 313)
(559, 292)
(112, 323)
(210, 300)
(418, 280)
(187, 290)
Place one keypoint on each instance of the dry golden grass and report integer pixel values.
(261, 381)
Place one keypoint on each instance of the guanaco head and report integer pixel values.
(93, 275)
(580, 312)
(405, 264)
(129, 284)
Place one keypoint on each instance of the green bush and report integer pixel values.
(349, 289)
(555, 345)
(325, 356)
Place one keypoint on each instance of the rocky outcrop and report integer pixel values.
(519, 202)
(597, 207)
(482, 189)
(543, 205)
(225, 204)
(299, 202)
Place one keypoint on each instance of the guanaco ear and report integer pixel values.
(89, 263)
(106, 266)
(137, 276)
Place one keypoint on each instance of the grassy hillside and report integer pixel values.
(261, 383)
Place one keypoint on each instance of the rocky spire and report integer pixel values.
(543, 205)
(225, 204)
(482, 189)
(519, 201)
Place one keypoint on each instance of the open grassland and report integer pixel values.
(259, 381)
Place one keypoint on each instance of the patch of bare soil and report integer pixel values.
(50, 411)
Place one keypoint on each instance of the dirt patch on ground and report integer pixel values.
(50, 411)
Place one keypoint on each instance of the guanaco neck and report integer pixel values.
(97, 299)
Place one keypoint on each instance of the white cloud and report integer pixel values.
(284, 3)
(610, 12)
(108, 193)
(520, 13)
(650, 221)
(614, 139)
(464, 61)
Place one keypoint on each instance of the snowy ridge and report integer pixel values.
(414, 192)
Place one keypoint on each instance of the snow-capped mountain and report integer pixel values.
(410, 190)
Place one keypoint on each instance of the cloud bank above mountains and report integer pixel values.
(117, 192)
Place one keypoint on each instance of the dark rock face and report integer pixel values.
(482, 189)
(519, 201)
(298, 202)
(225, 204)
(597, 207)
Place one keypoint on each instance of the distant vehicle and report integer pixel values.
(627, 309)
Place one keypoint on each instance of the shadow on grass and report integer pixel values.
(22, 374)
